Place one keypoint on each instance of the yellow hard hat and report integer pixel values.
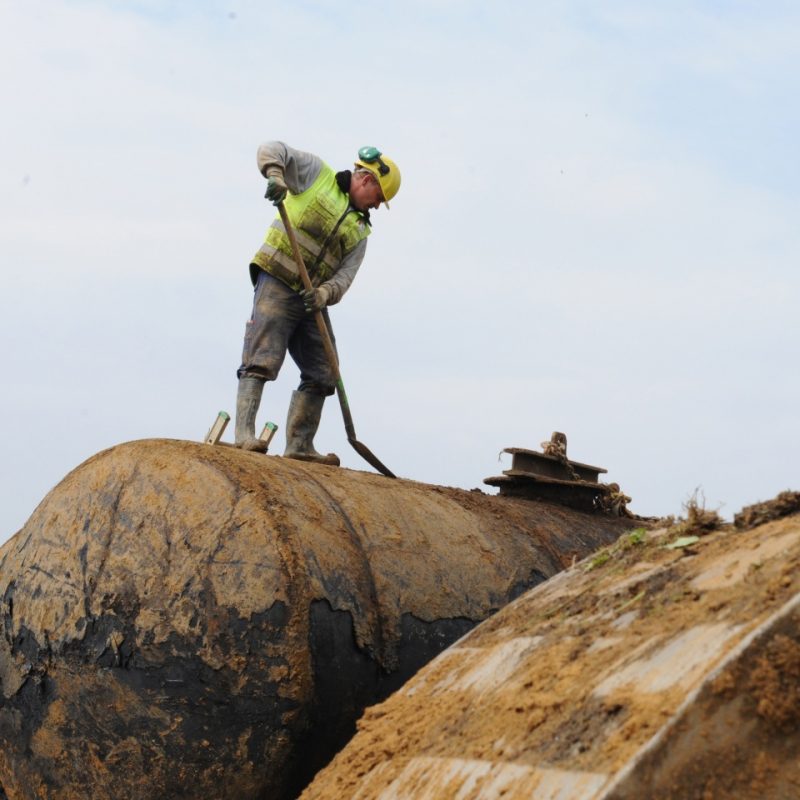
(383, 168)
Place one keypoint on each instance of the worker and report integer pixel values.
(330, 213)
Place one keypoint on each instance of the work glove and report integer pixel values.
(315, 299)
(276, 186)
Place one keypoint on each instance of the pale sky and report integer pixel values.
(596, 233)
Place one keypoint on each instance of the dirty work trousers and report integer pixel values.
(279, 322)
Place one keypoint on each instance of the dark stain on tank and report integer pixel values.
(184, 709)
(347, 679)
(520, 587)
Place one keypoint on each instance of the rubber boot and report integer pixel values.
(302, 422)
(248, 399)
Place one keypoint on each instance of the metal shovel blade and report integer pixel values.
(368, 456)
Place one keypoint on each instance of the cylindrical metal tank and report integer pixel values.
(666, 667)
(182, 620)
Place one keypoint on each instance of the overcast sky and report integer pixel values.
(597, 232)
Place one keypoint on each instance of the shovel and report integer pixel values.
(359, 447)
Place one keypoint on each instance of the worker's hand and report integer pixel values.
(276, 186)
(315, 299)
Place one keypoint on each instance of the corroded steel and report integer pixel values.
(575, 494)
(551, 476)
(188, 621)
(663, 667)
(532, 461)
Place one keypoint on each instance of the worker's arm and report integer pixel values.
(340, 282)
(298, 168)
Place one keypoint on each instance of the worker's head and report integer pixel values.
(376, 179)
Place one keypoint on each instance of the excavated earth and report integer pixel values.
(665, 666)
(181, 620)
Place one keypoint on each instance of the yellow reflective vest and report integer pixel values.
(327, 228)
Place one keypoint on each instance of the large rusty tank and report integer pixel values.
(664, 667)
(182, 620)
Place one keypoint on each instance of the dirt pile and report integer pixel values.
(785, 504)
(180, 620)
(665, 666)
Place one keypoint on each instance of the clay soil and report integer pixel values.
(579, 674)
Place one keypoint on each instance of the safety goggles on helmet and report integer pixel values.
(372, 155)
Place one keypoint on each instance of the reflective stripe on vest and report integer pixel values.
(327, 228)
(306, 243)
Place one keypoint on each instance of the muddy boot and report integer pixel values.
(248, 399)
(301, 426)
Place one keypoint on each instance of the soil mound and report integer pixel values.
(784, 505)
(666, 666)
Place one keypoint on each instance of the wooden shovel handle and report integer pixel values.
(330, 352)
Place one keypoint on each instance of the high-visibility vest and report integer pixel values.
(326, 227)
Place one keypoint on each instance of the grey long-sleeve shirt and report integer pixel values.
(300, 170)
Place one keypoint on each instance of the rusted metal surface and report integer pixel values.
(654, 669)
(551, 477)
(581, 496)
(536, 463)
(182, 620)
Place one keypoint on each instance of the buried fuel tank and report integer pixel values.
(194, 621)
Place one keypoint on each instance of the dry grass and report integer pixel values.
(698, 519)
